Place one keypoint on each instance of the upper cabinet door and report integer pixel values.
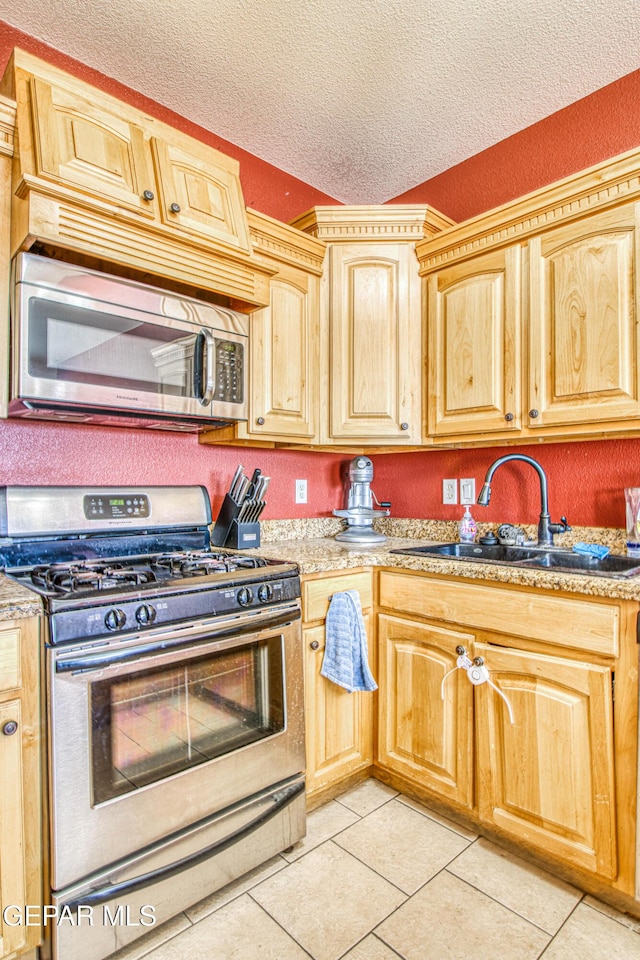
(284, 359)
(375, 342)
(584, 340)
(200, 192)
(83, 146)
(474, 346)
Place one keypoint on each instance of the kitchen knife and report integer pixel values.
(235, 481)
(254, 480)
(243, 487)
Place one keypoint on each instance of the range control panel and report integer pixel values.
(115, 506)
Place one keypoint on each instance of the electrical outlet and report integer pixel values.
(301, 491)
(449, 491)
(468, 490)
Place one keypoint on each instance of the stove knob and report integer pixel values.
(244, 596)
(115, 619)
(264, 593)
(145, 614)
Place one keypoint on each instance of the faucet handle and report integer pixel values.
(561, 527)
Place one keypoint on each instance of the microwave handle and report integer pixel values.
(204, 383)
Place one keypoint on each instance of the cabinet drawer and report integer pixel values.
(316, 594)
(579, 624)
(10, 659)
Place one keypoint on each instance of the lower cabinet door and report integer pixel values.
(425, 729)
(339, 725)
(561, 800)
(13, 868)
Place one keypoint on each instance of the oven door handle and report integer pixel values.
(221, 638)
(281, 799)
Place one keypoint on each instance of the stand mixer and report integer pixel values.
(360, 512)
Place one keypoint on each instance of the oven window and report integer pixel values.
(155, 723)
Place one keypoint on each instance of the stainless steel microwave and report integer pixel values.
(90, 347)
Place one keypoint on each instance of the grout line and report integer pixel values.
(507, 907)
(278, 924)
(540, 955)
(379, 939)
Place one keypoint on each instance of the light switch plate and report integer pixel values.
(468, 490)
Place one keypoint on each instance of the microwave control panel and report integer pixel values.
(229, 371)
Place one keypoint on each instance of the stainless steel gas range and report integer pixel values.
(174, 685)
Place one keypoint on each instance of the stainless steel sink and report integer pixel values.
(561, 561)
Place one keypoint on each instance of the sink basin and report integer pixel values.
(561, 561)
(473, 551)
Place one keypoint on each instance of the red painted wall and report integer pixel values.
(586, 482)
(50, 453)
(585, 479)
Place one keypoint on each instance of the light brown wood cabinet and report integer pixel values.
(473, 348)
(284, 378)
(339, 725)
(105, 181)
(548, 776)
(425, 729)
(20, 795)
(532, 312)
(371, 322)
(583, 302)
(7, 136)
(556, 776)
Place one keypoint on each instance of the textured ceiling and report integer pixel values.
(362, 99)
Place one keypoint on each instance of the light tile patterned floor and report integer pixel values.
(380, 877)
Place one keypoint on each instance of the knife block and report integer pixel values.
(243, 536)
(228, 513)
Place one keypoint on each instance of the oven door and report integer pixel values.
(152, 732)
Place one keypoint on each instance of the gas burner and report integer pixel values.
(73, 578)
(204, 564)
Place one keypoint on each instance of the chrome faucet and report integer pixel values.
(546, 529)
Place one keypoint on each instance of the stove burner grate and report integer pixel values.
(74, 578)
(204, 564)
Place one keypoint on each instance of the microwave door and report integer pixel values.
(95, 355)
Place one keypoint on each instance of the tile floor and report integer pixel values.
(380, 877)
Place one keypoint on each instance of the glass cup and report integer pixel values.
(632, 501)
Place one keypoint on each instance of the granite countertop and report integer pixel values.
(324, 554)
(16, 602)
(311, 544)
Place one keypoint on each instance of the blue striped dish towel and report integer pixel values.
(345, 659)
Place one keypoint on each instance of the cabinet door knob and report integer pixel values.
(314, 644)
(175, 208)
(508, 417)
(404, 426)
(260, 421)
(533, 414)
(10, 727)
(148, 195)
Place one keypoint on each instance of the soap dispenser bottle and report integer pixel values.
(467, 528)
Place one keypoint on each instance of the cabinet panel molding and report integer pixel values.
(587, 626)
(421, 733)
(563, 798)
(474, 346)
(584, 341)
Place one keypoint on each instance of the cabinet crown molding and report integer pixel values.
(7, 126)
(372, 222)
(600, 187)
(279, 241)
